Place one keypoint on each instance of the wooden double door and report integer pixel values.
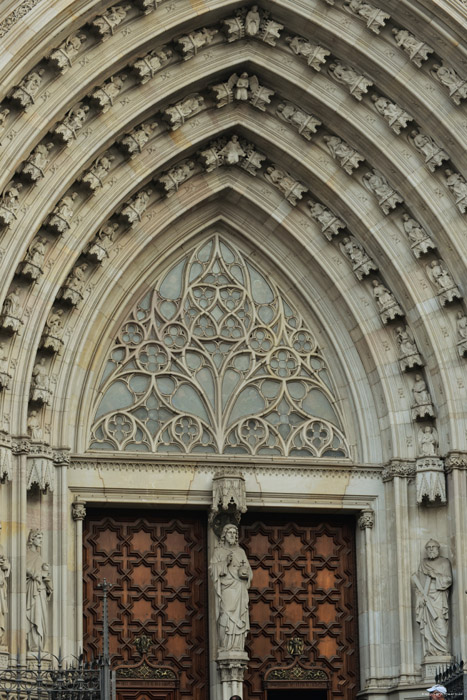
(303, 589)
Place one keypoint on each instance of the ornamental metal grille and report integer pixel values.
(216, 360)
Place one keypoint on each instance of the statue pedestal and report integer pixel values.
(231, 666)
(4, 656)
(431, 665)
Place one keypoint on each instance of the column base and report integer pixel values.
(431, 665)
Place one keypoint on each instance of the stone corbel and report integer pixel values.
(430, 480)
(228, 499)
(40, 469)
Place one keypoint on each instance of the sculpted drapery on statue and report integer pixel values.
(231, 574)
(38, 592)
(4, 574)
(432, 583)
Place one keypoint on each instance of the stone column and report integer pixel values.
(366, 522)
(456, 470)
(78, 512)
(17, 618)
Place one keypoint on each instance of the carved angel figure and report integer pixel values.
(94, 178)
(4, 384)
(461, 327)
(190, 44)
(38, 592)
(348, 158)
(176, 176)
(448, 77)
(314, 54)
(458, 187)
(417, 50)
(5, 569)
(135, 208)
(388, 307)
(147, 67)
(243, 88)
(305, 124)
(362, 264)
(105, 96)
(447, 290)
(72, 290)
(432, 153)
(395, 116)
(106, 24)
(387, 197)
(62, 56)
(98, 248)
(422, 406)
(177, 115)
(409, 356)
(292, 189)
(330, 224)
(9, 203)
(59, 220)
(40, 391)
(134, 142)
(31, 266)
(28, 88)
(68, 129)
(10, 315)
(420, 241)
(270, 30)
(356, 83)
(232, 152)
(36, 163)
(373, 16)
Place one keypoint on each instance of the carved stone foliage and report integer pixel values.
(331, 225)
(374, 18)
(232, 151)
(458, 186)
(134, 142)
(105, 25)
(177, 115)
(243, 88)
(386, 196)
(104, 96)
(461, 327)
(314, 55)
(215, 360)
(388, 307)
(9, 203)
(78, 510)
(420, 241)
(59, 219)
(32, 265)
(53, 331)
(62, 57)
(409, 356)
(396, 117)
(67, 130)
(176, 176)
(348, 158)
(33, 169)
(190, 44)
(98, 249)
(448, 77)
(253, 23)
(94, 178)
(366, 519)
(417, 50)
(431, 152)
(398, 468)
(73, 288)
(423, 405)
(25, 93)
(148, 66)
(135, 207)
(306, 124)
(10, 317)
(5, 376)
(362, 264)
(292, 189)
(432, 583)
(446, 288)
(356, 83)
(40, 383)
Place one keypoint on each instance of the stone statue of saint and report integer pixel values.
(432, 583)
(38, 592)
(4, 574)
(231, 574)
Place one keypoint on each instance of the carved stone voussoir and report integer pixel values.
(399, 468)
(461, 326)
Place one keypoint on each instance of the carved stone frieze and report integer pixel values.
(18, 13)
(386, 196)
(366, 519)
(430, 480)
(24, 95)
(104, 96)
(423, 405)
(446, 289)
(399, 468)
(105, 25)
(461, 328)
(93, 179)
(62, 214)
(420, 242)
(306, 124)
(356, 83)
(9, 203)
(10, 316)
(388, 307)
(448, 77)
(242, 88)
(67, 130)
(331, 225)
(374, 18)
(292, 189)
(252, 23)
(348, 158)
(148, 66)
(431, 152)
(177, 115)
(417, 50)
(458, 186)
(409, 356)
(314, 55)
(78, 510)
(176, 176)
(62, 57)
(73, 288)
(134, 209)
(396, 117)
(32, 266)
(362, 264)
(134, 142)
(190, 44)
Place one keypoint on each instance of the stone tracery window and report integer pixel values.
(215, 360)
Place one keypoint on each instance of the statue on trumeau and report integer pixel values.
(231, 575)
(38, 592)
(432, 583)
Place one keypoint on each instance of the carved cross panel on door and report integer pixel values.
(157, 566)
(303, 586)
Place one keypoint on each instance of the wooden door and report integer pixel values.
(303, 586)
(157, 605)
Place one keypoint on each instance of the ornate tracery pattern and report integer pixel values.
(215, 360)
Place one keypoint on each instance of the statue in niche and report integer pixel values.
(330, 224)
(362, 264)
(34, 426)
(134, 142)
(105, 95)
(63, 55)
(9, 203)
(387, 197)
(106, 24)
(98, 248)
(59, 220)
(177, 115)
(38, 591)
(292, 189)
(231, 574)
(432, 583)
(252, 21)
(461, 326)
(387, 305)
(37, 161)
(448, 77)
(243, 88)
(3, 115)
(417, 50)
(40, 391)
(428, 441)
(458, 187)
(373, 16)
(68, 129)
(423, 406)
(191, 43)
(10, 315)
(356, 83)
(314, 54)
(304, 123)
(31, 267)
(53, 330)
(433, 154)
(134, 209)
(232, 152)
(149, 65)
(5, 569)
(421, 242)
(395, 116)
(28, 88)
(447, 290)
(4, 374)
(176, 176)
(349, 159)
(409, 356)
(72, 290)
(94, 178)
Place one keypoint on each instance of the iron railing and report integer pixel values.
(454, 678)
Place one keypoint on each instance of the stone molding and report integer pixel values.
(21, 11)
